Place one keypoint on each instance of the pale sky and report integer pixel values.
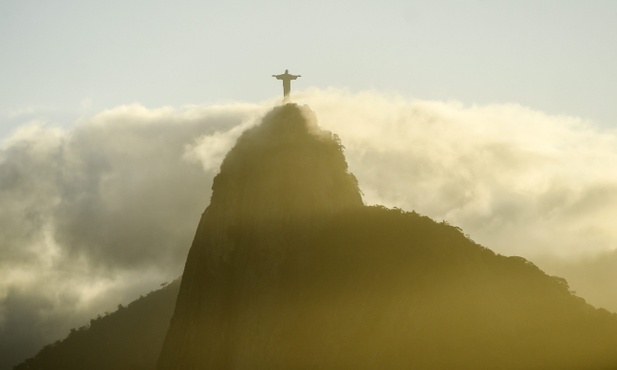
(65, 59)
(496, 116)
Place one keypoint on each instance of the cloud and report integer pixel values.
(517, 180)
(98, 213)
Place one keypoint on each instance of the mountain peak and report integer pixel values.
(278, 183)
(285, 170)
(287, 162)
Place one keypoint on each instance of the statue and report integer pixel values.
(286, 77)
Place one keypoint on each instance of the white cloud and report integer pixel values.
(96, 214)
(517, 180)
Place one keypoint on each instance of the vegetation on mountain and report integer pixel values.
(128, 339)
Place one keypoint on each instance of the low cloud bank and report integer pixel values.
(517, 180)
(100, 213)
(96, 214)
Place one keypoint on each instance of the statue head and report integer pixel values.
(286, 71)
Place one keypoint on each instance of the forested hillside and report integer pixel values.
(127, 339)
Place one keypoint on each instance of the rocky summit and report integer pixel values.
(274, 189)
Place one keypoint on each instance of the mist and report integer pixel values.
(98, 212)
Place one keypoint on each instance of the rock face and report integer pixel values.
(277, 184)
(289, 270)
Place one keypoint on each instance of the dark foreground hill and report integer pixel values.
(127, 339)
(289, 270)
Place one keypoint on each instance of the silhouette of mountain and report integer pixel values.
(288, 269)
(127, 339)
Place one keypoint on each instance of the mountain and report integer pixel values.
(289, 269)
(128, 339)
(277, 184)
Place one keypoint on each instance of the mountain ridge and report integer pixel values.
(288, 268)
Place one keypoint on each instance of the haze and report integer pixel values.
(114, 118)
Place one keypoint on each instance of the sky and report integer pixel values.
(114, 117)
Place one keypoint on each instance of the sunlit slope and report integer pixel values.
(288, 269)
(127, 339)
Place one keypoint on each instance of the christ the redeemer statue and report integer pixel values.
(286, 77)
